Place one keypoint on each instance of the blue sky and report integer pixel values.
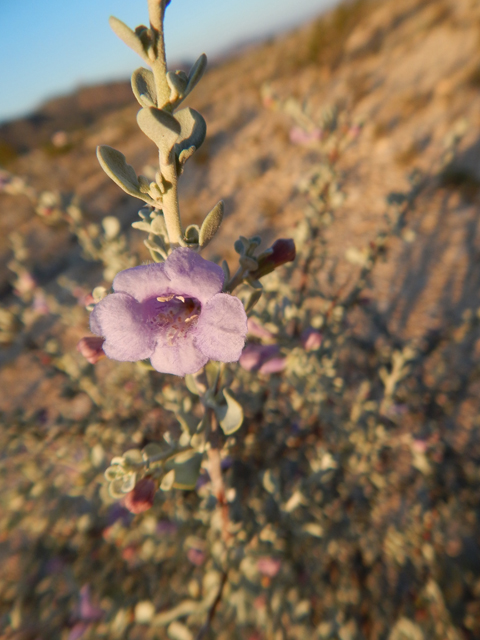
(50, 47)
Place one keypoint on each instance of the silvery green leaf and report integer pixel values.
(192, 234)
(211, 224)
(184, 156)
(230, 416)
(193, 130)
(115, 489)
(168, 480)
(177, 86)
(226, 270)
(187, 469)
(239, 247)
(198, 442)
(212, 371)
(129, 482)
(143, 86)
(133, 457)
(128, 36)
(111, 226)
(191, 384)
(253, 299)
(161, 127)
(114, 472)
(152, 449)
(142, 226)
(249, 263)
(196, 72)
(187, 421)
(158, 226)
(115, 166)
(98, 294)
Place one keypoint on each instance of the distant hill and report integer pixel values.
(66, 113)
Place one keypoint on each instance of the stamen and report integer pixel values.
(177, 316)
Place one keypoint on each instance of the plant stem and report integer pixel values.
(171, 211)
(156, 13)
(211, 614)
(215, 471)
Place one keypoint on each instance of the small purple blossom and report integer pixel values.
(311, 340)
(255, 355)
(300, 136)
(274, 365)
(172, 313)
(258, 330)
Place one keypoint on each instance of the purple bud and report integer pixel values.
(91, 349)
(141, 498)
(255, 355)
(300, 136)
(281, 251)
(257, 330)
(275, 365)
(269, 566)
(311, 339)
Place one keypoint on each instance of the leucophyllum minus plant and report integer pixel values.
(179, 311)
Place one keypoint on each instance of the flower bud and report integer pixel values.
(141, 498)
(281, 251)
(311, 339)
(255, 355)
(91, 349)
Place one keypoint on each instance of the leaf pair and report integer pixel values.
(185, 131)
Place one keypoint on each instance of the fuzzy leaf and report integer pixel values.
(230, 416)
(128, 36)
(177, 86)
(191, 384)
(167, 482)
(115, 166)
(142, 225)
(161, 127)
(211, 224)
(193, 130)
(133, 457)
(253, 299)
(158, 226)
(143, 86)
(187, 469)
(152, 449)
(196, 72)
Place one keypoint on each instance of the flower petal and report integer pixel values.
(222, 328)
(119, 319)
(143, 282)
(191, 275)
(180, 359)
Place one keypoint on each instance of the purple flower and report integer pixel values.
(311, 339)
(255, 355)
(300, 136)
(172, 313)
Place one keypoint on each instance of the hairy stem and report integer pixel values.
(171, 210)
(215, 471)
(156, 13)
(211, 614)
